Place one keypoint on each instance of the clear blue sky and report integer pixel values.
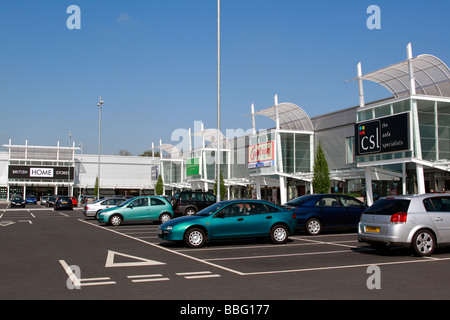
(154, 63)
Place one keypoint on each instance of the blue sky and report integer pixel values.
(154, 63)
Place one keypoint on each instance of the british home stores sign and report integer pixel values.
(39, 173)
(388, 134)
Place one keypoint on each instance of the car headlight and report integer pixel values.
(168, 228)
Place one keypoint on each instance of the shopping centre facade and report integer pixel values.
(397, 145)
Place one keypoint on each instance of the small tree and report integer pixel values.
(321, 179)
(223, 191)
(96, 187)
(159, 188)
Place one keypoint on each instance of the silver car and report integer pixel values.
(419, 222)
(92, 209)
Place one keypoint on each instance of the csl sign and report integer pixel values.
(389, 134)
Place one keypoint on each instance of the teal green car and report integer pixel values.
(138, 209)
(231, 219)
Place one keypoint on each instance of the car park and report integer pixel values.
(231, 219)
(419, 222)
(138, 209)
(63, 202)
(31, 198)
(317, 212)
(93, 209)
(17, 201)
(190, 202)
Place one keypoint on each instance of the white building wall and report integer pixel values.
(115, 171)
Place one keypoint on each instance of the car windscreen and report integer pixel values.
(211, 209)
(388, 206)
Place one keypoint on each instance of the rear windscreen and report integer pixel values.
(388, 206)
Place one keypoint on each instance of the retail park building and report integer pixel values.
(397, 145)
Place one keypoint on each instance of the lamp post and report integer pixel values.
(218, 104)
(99, 105)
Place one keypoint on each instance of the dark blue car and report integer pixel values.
(318, 211)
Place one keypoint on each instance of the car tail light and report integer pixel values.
(294, 216)
(399, 217)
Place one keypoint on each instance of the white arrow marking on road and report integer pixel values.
(141, 261)
(6, 223)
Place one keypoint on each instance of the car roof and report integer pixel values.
(416, 196)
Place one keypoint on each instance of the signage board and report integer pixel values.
(40, 173)
(261, 155)
(192, 167)
(388, 134)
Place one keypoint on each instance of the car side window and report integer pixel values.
(209, 197)
(157, 202)
(327, 202)
(350, 202)
(256, 208)
(233, 210)
(197, 197)
(141, 202)
(437, 204)
(185, 196)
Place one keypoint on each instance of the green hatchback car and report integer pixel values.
(138, 209)
(229, 220)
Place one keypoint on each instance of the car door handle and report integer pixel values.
(269, 217)
(240, 219)
(438, 219)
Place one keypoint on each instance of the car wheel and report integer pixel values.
(164, 218)
(195, 238)
(423, 243)
(115, 220)
(279, 234)
(313, 227)
(190, 211)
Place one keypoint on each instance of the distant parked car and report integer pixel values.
(51, 201)
(230, 220)
(31, 198)
(419, 222)
(93, 209)
(319, 211)
(74, 201)
(17, 201)
(44, 200)
(63, 202)
(137, 209)
(190, 202)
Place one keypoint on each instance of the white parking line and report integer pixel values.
(167, 249)
(198, 275)
(147, 278)
(279, 255)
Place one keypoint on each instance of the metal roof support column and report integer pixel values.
(253, 119)
(283, 189)
(415, 114)
(369, 192)
(360, 85)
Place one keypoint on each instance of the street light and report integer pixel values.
(218, 104)
(99, 105)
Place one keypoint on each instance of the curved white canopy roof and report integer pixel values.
(432, 77)
(210, 135)
(292, 117)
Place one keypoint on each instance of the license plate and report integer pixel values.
(64, 202)
(373, 229)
